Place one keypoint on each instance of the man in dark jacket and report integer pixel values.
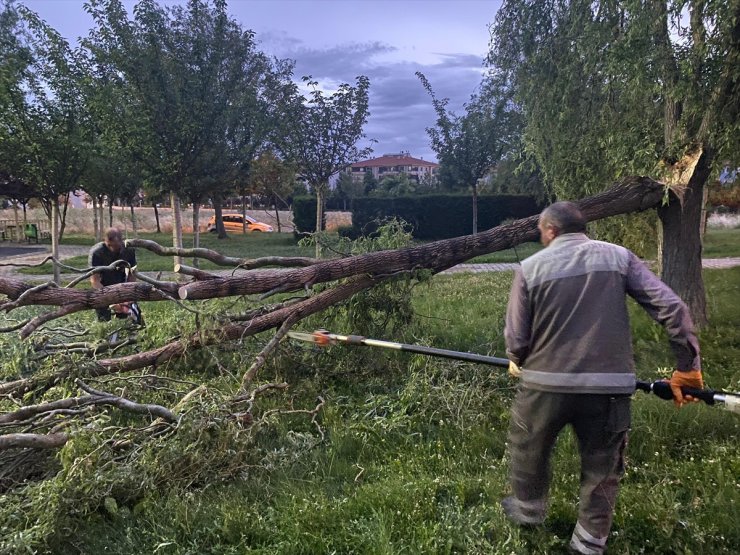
(568, 334)
(111, 250)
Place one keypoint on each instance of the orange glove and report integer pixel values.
(689, 379)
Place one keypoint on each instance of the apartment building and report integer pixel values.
(393, 164)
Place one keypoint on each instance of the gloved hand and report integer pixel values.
(680, 378)
(514, 370)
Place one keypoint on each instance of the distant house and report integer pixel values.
(393, 164)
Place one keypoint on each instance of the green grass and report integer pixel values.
(414, 458)
(720, 243)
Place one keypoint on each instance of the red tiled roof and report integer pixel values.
(393, 160)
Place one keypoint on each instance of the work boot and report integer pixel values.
(524, 513)
(583, 543)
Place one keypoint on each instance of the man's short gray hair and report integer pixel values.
(565, 216)
(113, 233)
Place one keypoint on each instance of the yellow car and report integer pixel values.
(235, 222)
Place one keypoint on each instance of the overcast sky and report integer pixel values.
(336, 40)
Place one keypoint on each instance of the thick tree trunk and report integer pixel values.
(196, 230)
(176, 225)
(681, 249)
(156, 216)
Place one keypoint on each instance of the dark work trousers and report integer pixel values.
(104, 314)
(601, 424)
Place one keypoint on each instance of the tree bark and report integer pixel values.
(244, 214)
(110, 211)
(277, 214)
(63, 219)
(475, 208)
(55, 237)
(156, 216)
(176, 225)
(96, 224)
(133, 219)
(682, 247)
(196, 229)
(319, 215)
(218, 207)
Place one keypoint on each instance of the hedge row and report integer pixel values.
(441, 216)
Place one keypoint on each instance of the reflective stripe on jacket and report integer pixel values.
(567, 324)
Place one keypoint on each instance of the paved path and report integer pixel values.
(69, 251)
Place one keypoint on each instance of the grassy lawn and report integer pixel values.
(413, 456)
(720, 243)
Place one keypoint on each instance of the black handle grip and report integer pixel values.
(663, 390)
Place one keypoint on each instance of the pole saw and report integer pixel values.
(661, 388)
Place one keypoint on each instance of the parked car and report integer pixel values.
(235, 222)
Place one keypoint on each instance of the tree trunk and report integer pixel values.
(133, 219)
(25, 213)
(101, 219)
(156, 216)
(176, 226)
(17, 220)
(64, 217)
(475, 209)
(96, 225)
(244, 214)
(218, 207)
(681, 248)
(277, 215)
(319, 216)
(704, 214)
(196, 230)
(55, 237)
(110, 211)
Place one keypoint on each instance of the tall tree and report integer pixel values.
(47, 117)
(469, 146)
(323, 134)
(183, 70)
(619, 88)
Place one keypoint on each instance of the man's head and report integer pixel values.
(560, 218)
(113, 240)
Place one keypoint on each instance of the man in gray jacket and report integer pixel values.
(567, 328)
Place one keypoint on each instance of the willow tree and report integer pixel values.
(618, 88)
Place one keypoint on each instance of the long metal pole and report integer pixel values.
(662, 389)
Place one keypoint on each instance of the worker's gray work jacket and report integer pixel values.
(567, 325)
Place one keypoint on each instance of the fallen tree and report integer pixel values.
(340, 279)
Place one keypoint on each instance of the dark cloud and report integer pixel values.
(400, 108)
